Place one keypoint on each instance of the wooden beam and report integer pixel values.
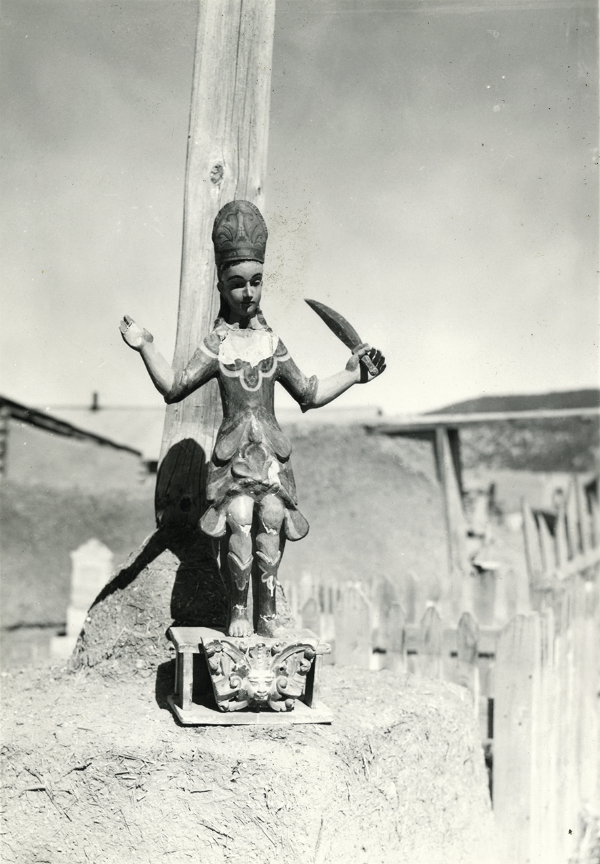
(226, 160)
(448, 467)
(414, 422)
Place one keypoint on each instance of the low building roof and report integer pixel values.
(51, 422)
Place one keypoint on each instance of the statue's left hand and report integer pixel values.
(368, 368)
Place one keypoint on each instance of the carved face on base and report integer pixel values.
(260, 685)
(240, 285)
(258, 675)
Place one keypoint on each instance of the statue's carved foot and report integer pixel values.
(267, 626)
(239, 625)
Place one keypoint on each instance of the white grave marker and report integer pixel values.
(91, 569)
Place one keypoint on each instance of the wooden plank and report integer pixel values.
(595, 520)
(589, 676)
(572, 519)
(583, 515)
(4, 432)
(548, 549)
(516, 674)
(312, 693)
(467, 670)
(456, 526)
(226, 159)
(205, 715)
(561, 539)
(353, 629)
(546, 841)
(488, 637)
(384, 595)
(431, 644)
(187, 678)
(533, 552)
(396, 638)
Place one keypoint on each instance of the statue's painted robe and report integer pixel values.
(251, 454)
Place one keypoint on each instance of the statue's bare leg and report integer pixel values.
(268, 555)
(239, 561)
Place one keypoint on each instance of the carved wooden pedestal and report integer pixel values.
(221, 680)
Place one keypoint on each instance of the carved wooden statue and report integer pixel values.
(250, 486)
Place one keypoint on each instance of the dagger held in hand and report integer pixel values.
(343, 330)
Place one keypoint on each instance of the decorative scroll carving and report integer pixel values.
(259, 674)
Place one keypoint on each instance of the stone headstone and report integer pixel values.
(91, 569)
(92, 566)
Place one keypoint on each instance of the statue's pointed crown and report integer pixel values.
(239, 233)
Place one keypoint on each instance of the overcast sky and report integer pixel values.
(432, 176)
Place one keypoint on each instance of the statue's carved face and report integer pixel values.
(260, 684)
(241, 287)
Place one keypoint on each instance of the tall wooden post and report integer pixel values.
(226, 160)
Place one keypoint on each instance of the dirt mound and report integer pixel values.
(95, 771)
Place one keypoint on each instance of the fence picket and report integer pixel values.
(548, 548)
(583, 516)
(353, 629)
(516, 675)
(533, 550)
(561, 538)
(396, 638)
(384, 594)
(595, 520)
(572, 519)
(467, 656)
(431, 634)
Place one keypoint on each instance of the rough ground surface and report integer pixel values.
(97, 770)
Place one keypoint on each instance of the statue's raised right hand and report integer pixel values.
(135, 336)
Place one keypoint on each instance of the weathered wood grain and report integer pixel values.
(516, 676)
(226, 160)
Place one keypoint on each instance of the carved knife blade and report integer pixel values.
(343, 330)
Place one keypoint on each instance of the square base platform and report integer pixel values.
(199, 714)
(193, 701)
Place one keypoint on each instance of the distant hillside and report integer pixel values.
(551, 444)
(589, 398)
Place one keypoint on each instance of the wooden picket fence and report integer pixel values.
(367, 627)
(535, 680)
(547, 681)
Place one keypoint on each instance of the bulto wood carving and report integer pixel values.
(252, 504)
(246, 675)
